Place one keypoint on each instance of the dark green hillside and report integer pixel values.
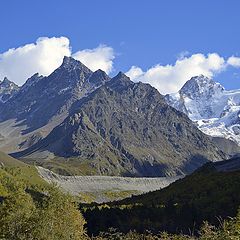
(207, 194)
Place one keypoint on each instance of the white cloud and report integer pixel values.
(183, 54)
(170, 78)
(43, 57)
(135, 73)
(234, 61)
(100, 57)
(46, 55)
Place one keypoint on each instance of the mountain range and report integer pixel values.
(76, 121)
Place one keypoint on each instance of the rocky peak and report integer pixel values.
(120, 82)
(201, 86)
(99, 77)
(71, 73)
(69, 60)
(32, 81)
(70, 63)
(121, 76)
(7, 89)
(6, 83)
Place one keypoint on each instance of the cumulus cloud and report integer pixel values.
(234, 61)
(43, 57)
(170, 78)
(100, 57)
(46, 55)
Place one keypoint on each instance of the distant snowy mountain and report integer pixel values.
(215, 110)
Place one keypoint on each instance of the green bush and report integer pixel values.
(29, 212)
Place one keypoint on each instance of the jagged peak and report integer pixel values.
(99, 77)
(200, 77)
(121, 75)
(36, 75)
(6, 80)
(99, 71)
(33, 79)
(120, 82)
(69, 60)
(121, 78)
(7, 83)
(203, 80)
(70, 63)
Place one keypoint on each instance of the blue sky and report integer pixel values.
(141, 33)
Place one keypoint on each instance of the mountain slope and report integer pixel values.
(43, 103)
(126, 128)
(214, 109)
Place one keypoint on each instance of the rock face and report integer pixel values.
(125, 128)
(7, 90)
(214, 109)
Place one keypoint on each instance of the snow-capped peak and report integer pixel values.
(201, 86)
(214, 109)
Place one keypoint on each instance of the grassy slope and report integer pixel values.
(20, 170)
(8, 161)
(64, 166)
